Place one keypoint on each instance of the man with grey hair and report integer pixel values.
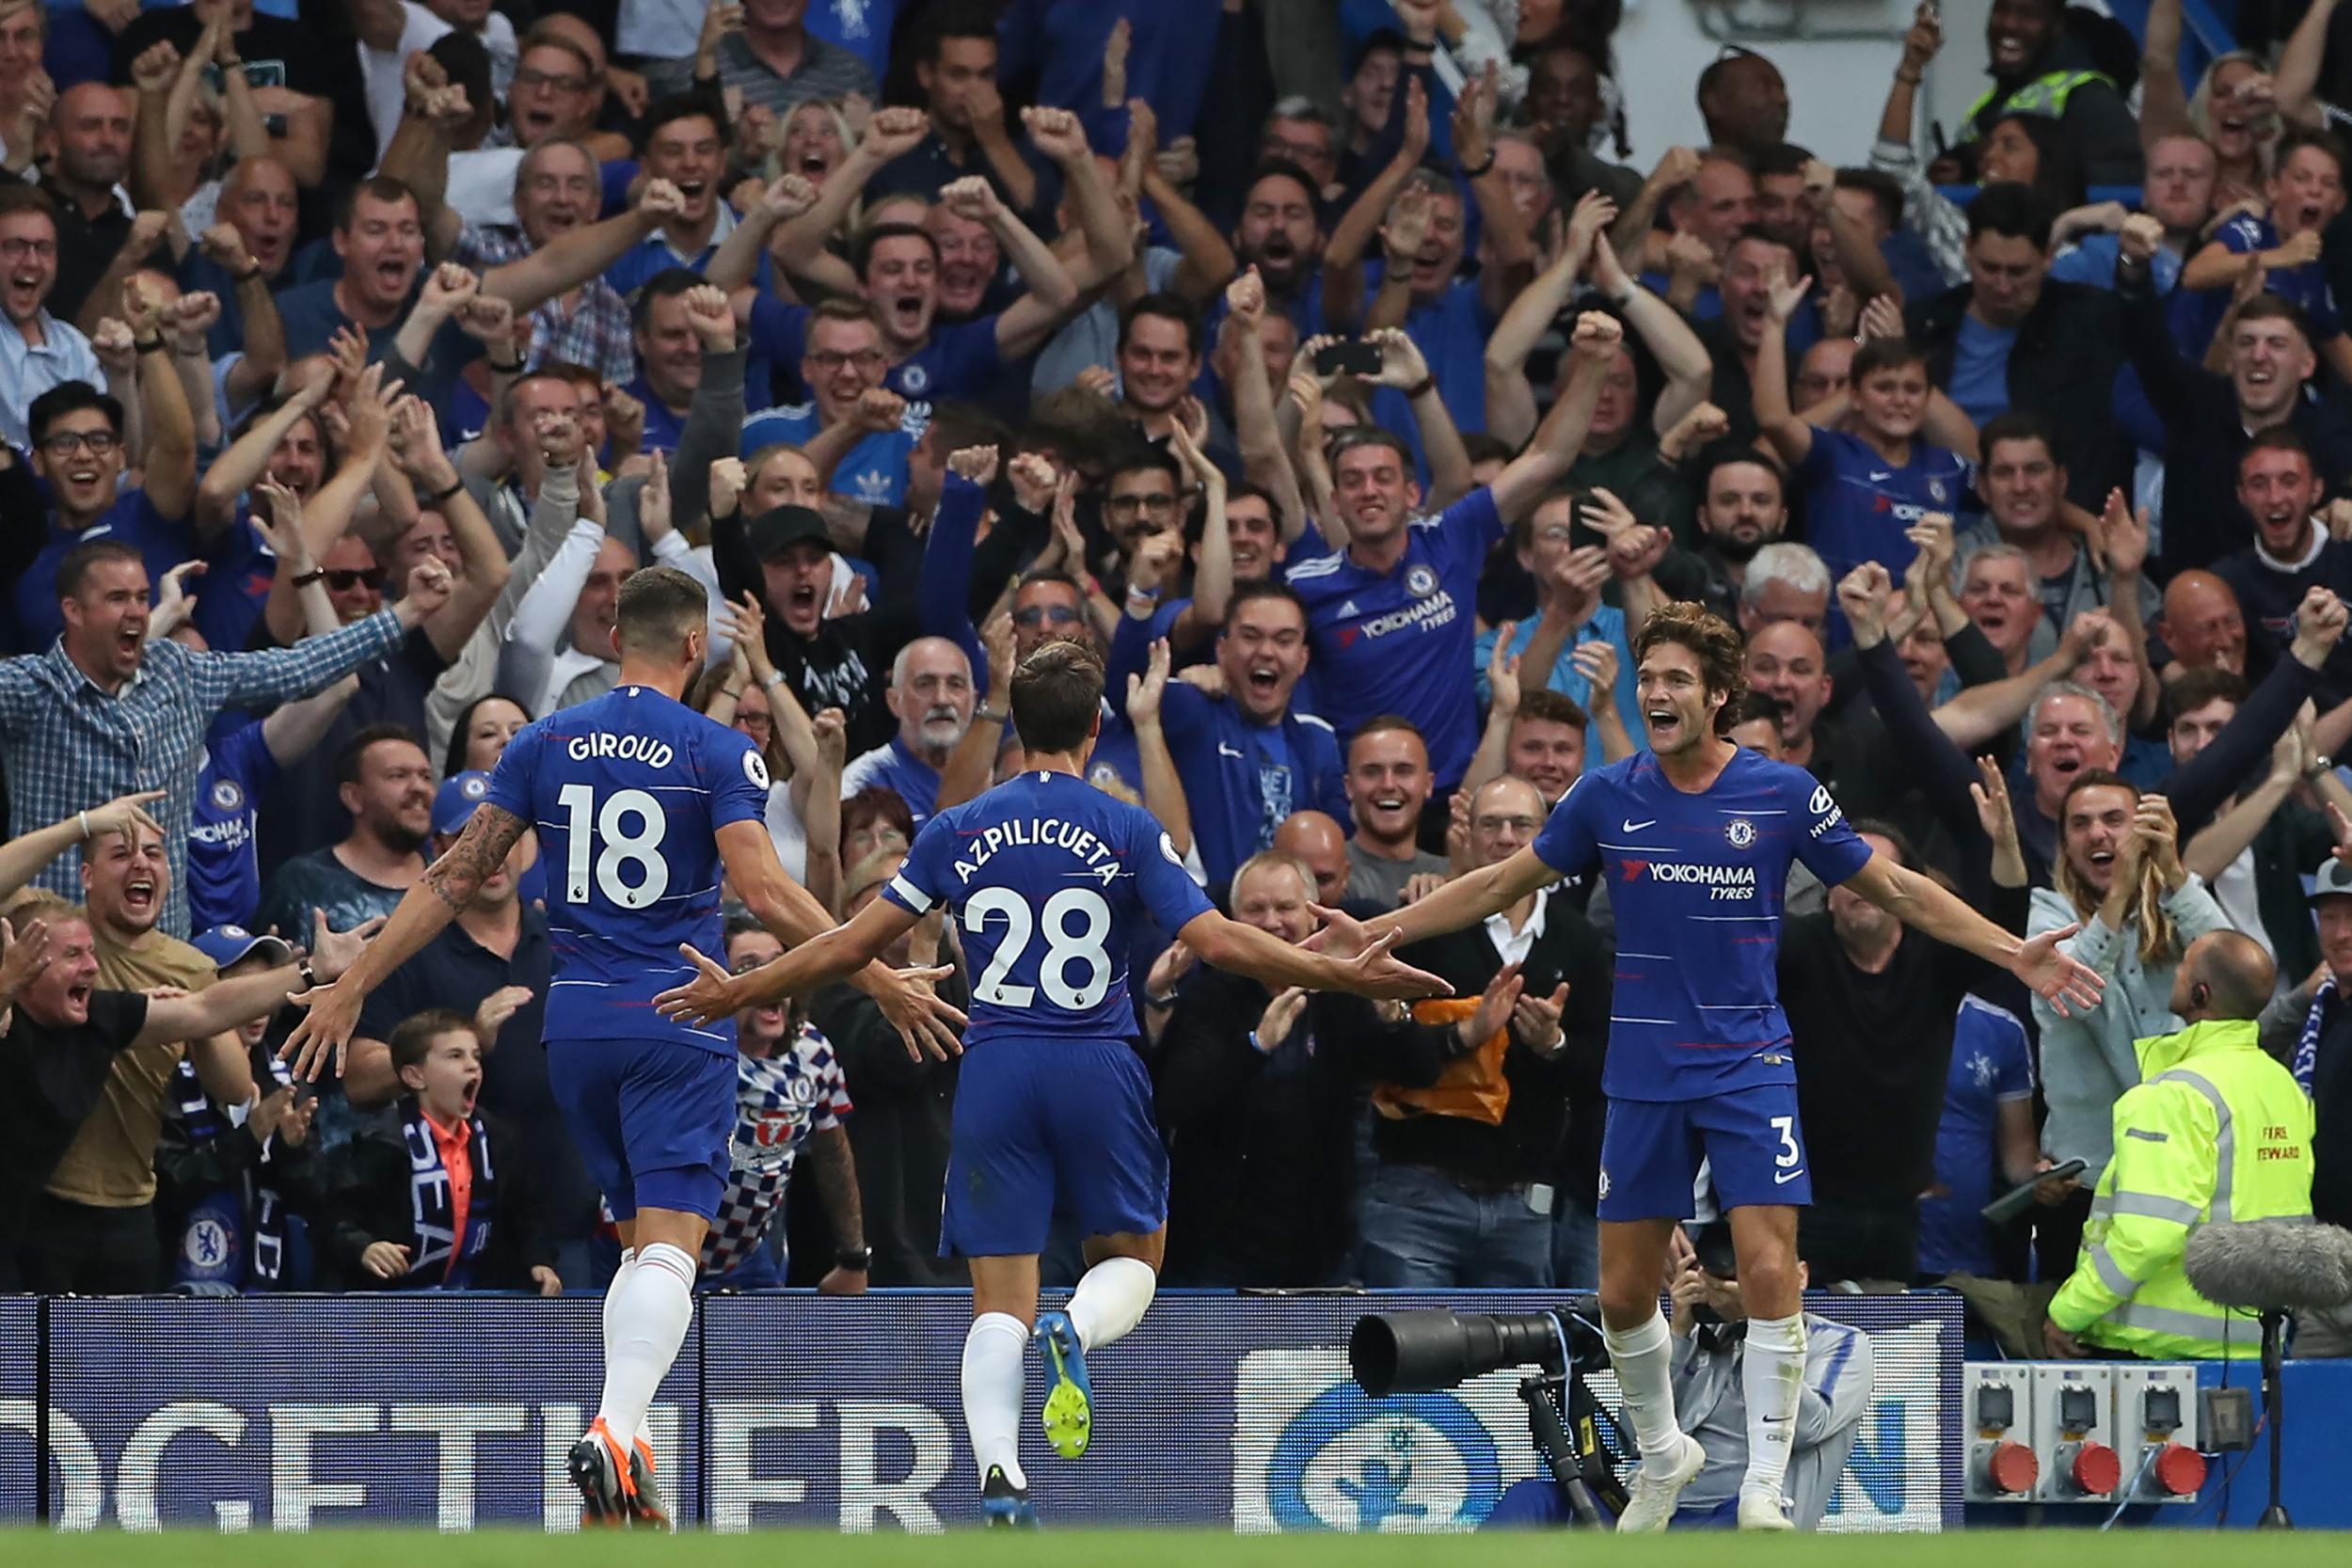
(1998, 591)
(1785, 582)
(931, 694)
(2070, 730)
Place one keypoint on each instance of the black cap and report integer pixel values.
(772, 532)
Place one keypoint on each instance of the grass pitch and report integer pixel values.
(2056, 1549)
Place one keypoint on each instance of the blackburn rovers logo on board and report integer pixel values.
(227, 795)
(1739, 832)
(1419, 581)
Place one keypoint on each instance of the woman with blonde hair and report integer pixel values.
(2119, 876)
(2235, 109)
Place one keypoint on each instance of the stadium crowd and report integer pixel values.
(1330, 368)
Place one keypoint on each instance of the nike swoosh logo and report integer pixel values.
(1637, 826)
(1875, 477)
(1782, 1178)
(1225, 751)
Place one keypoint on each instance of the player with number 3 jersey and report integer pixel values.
(642, 807)
(1695, 838)
(1046, 879)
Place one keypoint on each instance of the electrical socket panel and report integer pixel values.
(2074, 1432)
(2157, 1408)
(1997, 1417)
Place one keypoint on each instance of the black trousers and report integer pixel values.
(73, 1249)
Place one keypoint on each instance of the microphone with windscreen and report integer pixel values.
(2272, 1267)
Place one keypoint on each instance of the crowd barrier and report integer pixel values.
(290, 1412)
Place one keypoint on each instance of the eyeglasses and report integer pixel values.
(754, 723)
(832, 360)
(1038, 614)
(65, 443)
(344, 580)
(541, 79)
(16, 249)
(1127, 506)
(745, 966)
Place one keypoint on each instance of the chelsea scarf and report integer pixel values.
(439, 1256)
(212, 1249)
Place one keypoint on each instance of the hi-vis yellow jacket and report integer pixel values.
(2215, 1131)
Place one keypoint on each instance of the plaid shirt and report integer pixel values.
(594, 333)
(67, 744)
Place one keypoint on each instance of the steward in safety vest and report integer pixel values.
(2039, 69)
(2215, 1131)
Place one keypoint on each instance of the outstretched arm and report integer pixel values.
(1926, 906)
(1460, 902)
(447, 886)
(1229, 945)
(795, 917)
(834, 955)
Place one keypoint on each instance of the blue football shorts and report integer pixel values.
(653, 1119)
(1750, 1139)
(1045, 1128)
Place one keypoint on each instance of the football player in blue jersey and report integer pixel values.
(1695, 837)
(1048, 878)
(642, 805)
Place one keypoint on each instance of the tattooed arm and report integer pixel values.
(448, 886)
(836, 1172)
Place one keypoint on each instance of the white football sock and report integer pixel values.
(1771, 1375)
(1110, 1300)
(646, 1321)
(613, 1291)
(1643, 1359)
(996, 1360)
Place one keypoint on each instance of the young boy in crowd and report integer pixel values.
(421, 1203)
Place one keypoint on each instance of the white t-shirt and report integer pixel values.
(420, 30)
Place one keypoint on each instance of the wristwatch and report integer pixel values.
(856, 1259)
(989, 715)
(2319, 767)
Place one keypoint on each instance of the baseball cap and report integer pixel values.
(772, 532)
(453, 808)
(229, 944)
(2332, 879)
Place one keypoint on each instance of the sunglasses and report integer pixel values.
(344, 580)
(1038, 614)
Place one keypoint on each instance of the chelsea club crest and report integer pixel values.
(1419, 581)
(1739, 832)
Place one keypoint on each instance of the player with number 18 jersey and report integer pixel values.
(626, 792)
